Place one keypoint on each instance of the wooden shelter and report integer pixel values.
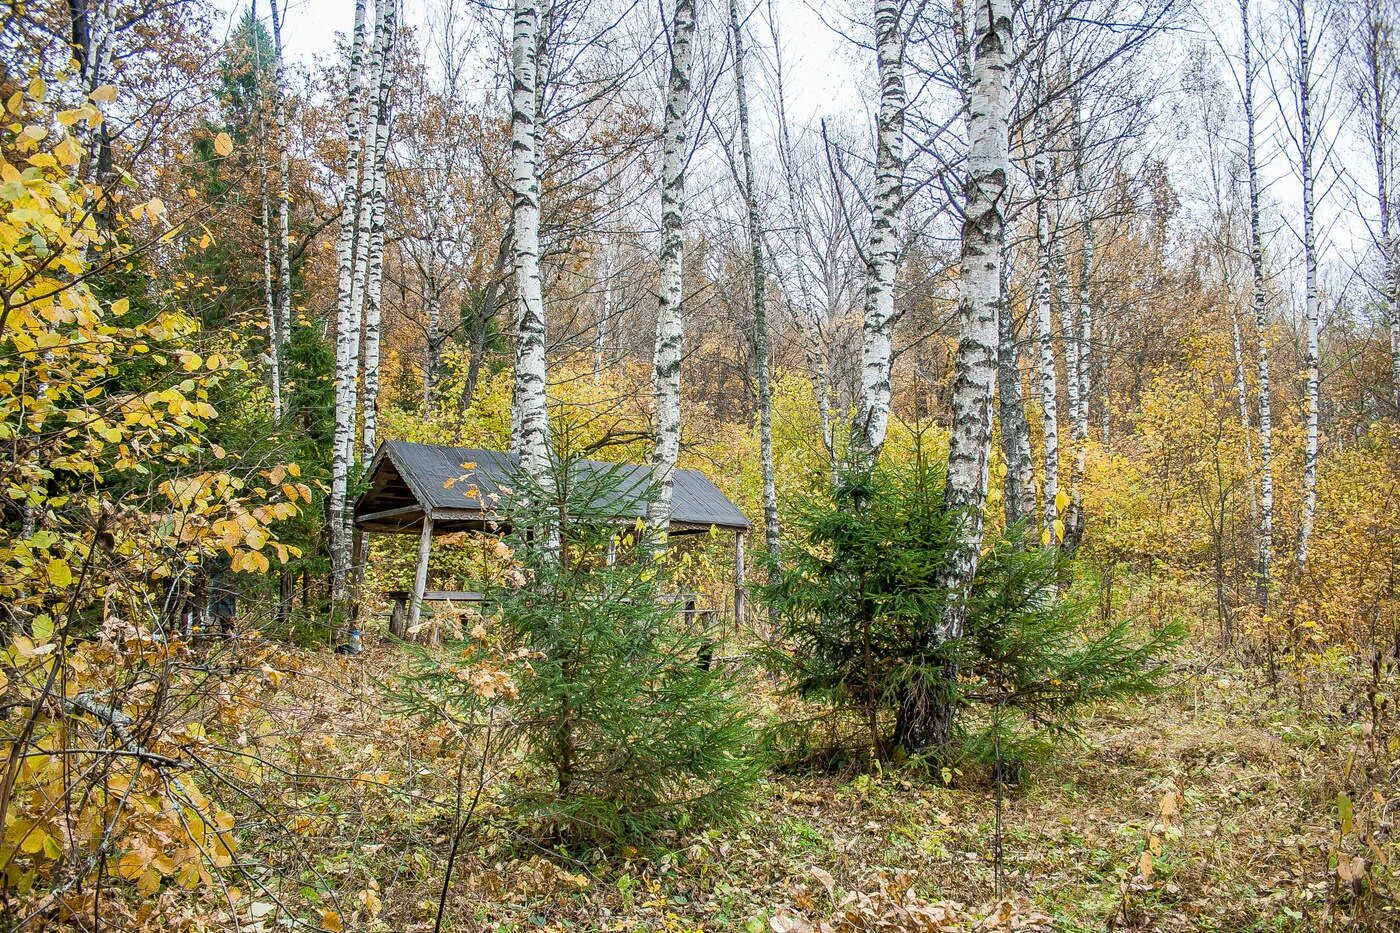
(429, 489)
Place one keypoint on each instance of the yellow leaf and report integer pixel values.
(121, 306)
(330, 919)
(371, 900)
(148, 883)
(1059, 530)
(34, 842)
(1061, 501)
(223, 144)
(59, 572)
(104, 94)
(38, 90)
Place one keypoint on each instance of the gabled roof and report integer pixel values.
(462, 487)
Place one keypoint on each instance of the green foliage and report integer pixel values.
(1033, 661)
(631, 733)
(860, 597)
(625, 732)
(861, 587)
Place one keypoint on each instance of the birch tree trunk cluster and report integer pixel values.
(1028, 165)
(360, 266)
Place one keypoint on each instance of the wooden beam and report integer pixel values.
(388, 513)
(739, 588)
(420, 575)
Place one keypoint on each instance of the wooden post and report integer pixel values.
(739, 592)
(420, 576)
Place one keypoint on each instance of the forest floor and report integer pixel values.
(1233, 788)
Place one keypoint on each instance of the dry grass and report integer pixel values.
(365, 827)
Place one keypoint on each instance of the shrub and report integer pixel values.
(624, 732)
(860, 596)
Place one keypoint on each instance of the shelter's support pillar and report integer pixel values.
(420, 575)
(740, 592)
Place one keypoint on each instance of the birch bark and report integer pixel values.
(1312, 322)
(771, 530)
(1261, 322)
(983, 238)
(379, 193)
(1069, 336)
(530, 412)
(274, 347)
(347, 337)
(927, 711)
(1378, 72)
(284, 188)
(1045, 340)
(873, 402)
(670, 331)
(1018, 486)
(1083, 339)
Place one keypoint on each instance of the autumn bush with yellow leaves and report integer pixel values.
(114, 500)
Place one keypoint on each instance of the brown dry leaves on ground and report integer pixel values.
(1212, 807)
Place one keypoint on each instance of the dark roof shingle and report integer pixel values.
(462, 478)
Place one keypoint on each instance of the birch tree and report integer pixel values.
(873, 400)
(347, 336)
(670, 331)
(1261, 324)
(274, 343)
(387, 15)
(1046, 381)
(1018, 486)
(926, 716)
(1312, 314)
(1376, 76)
(284, 188)
(760, 293)
(1080, 334)
(532, 417)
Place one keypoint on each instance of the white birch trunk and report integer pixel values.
(605, 314)
(1311, 395)
(873, 401)
(1261, 322)
(771, 530)
(1069, 343)
(432, 348)
(1018, 487)
(984, 233)
(983, 237)
(669, 317)
(1378, 64)
(1045, 340)
(1083, 359)
(274, 347)
(529, 407)
(347, 336)
(284, 189)
(274, 343)
(379, 194)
